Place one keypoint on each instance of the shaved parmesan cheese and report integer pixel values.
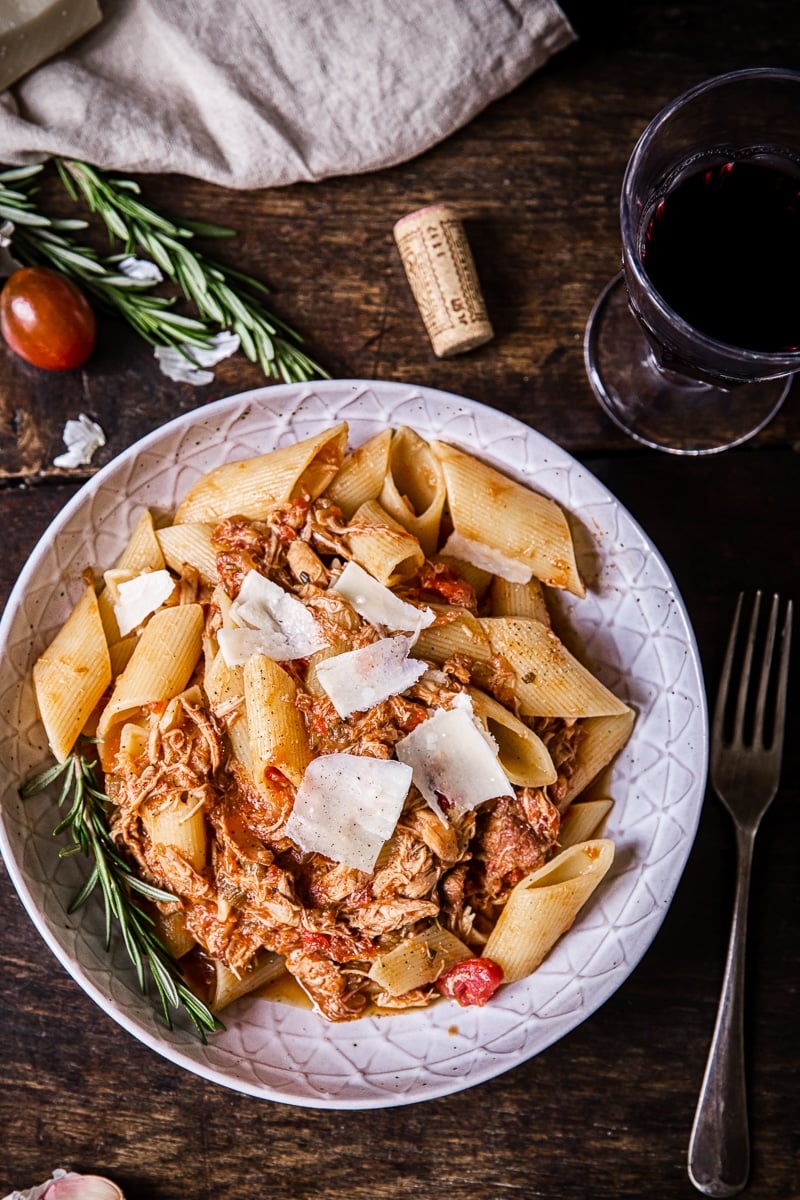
(463, 701)
(452, 761)
(141, 596)
(487, 558)
(268, 621)
(359, 679)
(377, 604)
(347, 806)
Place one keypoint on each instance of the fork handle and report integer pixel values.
(719, 1147)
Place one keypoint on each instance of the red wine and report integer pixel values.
(722, 248)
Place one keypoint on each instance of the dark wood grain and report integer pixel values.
(607, 1111)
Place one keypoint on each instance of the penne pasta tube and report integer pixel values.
(550, 681)
(603, 738)
(278, 738)
(171, 930)
(508, 599)
(161, 665)
(143, 552)
(478, 578)
(250, 487)
(312, 683)
(461, 634)
(583, 821)
(182, 826)
(544, 905)
(224, 687)
(382, 546)
(112, 579)
(120, 653)
(519, 527)
(189, 545)
(523, 756)
(71, 676)
(413, 490)
(418, 961)
(361, 475)
(229, 986)
(409, 965)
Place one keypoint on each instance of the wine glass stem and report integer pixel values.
(675, 378)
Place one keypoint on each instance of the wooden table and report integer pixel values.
(607, 1111)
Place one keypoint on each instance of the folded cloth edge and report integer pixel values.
(307, 104)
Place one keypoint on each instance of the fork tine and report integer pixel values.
(744, 679)
(766, 669)
(783, 682)
(725, 677)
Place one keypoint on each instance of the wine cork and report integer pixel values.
(440, 269)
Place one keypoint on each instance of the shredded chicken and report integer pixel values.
(254, 890)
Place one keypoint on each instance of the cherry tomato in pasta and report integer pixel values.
(46, 319)
(473, 981)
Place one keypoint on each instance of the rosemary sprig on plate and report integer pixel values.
(224, 298)
(87, 821)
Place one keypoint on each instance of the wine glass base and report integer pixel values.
(660, 409)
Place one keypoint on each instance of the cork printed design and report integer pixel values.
(441, 272)
(468, 308)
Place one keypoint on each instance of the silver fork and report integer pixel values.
(744, 771)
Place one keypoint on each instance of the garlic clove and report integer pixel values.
(82, 1187)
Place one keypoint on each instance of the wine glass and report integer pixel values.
(710, 219)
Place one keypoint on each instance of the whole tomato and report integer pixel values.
(46, 319)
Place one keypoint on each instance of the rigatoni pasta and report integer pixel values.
(527, 532)
(380, 544)
(362, 474)
(252, 486)
(337, 726)
(551, 681)
(413, 490)
(189, 545)
(277, 732)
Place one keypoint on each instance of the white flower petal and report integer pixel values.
(82, 438)
(176, 366)
(223, 345)
(140, 268)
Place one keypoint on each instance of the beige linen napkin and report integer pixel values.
(254, 93)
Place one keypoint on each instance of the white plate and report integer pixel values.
(634, 631)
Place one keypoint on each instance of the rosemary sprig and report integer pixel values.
(224, 298)
(228, 297)
(86, 820)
